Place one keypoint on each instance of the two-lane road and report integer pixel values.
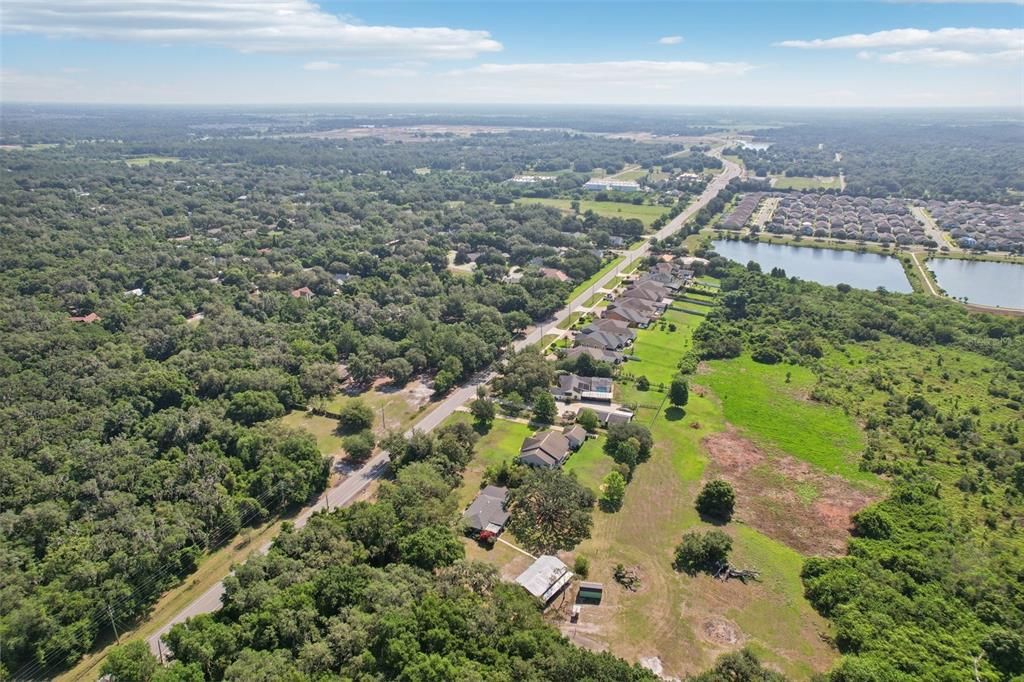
(356, 482)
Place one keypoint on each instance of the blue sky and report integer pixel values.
(754, 53)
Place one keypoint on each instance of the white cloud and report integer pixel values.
(932, 55)
(245, 25)
(986, 38)
(636, 70)
(670, 40)
(320, 66)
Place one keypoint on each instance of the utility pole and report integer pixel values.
(110, 613)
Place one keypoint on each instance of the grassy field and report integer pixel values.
(687, 621)
(656, 350)
(500, 443)
(322, 428)
(775, 413)
(611, 209)
(632, 174)
(582, 287)
(146, 160)
(798, 182)
(590, 464)
(400, 407)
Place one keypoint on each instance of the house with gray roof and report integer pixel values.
(486, 516)
(575, 387)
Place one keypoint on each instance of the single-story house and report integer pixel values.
(87, 319)
(575, 387)
(576, 435)
(609, 416)
(629, 315)
(597, 354)
(545, 578)
(614, 326)
(486, 516)
(602, 340)
(546, 449)
(303, 292)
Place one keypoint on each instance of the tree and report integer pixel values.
(613, 492)
(249, 407)
(702, 551)
(131, 662)
(550, 511)
(399, 370)
(679, 392)
(617, 444)
(643, 383)
(544, 409)
(588, 419)
(359, 446)
(716, 500)
(444, 381)
(431, 547)
(355, 416)
(483, 411)
(740, 666)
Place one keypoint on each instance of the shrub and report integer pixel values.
(581, 566)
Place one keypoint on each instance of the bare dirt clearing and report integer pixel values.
(785, 498)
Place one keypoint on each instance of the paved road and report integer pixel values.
(933, 230)
(356, 482)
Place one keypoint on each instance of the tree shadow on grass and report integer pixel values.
(714, 520)
(674, 413)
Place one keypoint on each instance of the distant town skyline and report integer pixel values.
(756, 53)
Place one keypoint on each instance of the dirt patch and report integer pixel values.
(785, 498)
(721, 631)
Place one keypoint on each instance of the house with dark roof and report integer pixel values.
(576, 435)
(629, 315)
(486, 516)
(575, 387)
(602, 340)
(597, 354)
(549, 449)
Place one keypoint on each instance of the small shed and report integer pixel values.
(590, 593)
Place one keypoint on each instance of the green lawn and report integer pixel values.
(593, 300)
(757, 399)
(582, 287)
(610, 209)
(633, 174)
(800, 182)
(590, 464)
(500, 443)
(322, 428)
(657, 350)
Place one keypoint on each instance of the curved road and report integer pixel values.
(345, 492)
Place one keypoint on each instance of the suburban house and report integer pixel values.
(629, 315)
(613, 326)
(303, 292)
(602, 340)
(597, 354)
(486, 516)
(576, 435)
(575, 387)
(545, 578)
(87, 319)
(609, 416)
(646, 291)
(549, 449)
